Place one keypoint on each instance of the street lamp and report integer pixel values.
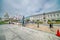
(23, 21)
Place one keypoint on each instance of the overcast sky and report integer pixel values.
(28, 7)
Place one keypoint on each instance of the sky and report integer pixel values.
(28, 7)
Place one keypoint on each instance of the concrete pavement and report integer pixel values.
(15, 32)
(2, 36)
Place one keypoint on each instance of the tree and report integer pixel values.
(37, 22)
(27, 20)
(49, 21)
(6, 15)
(33, 21)
(0, 18)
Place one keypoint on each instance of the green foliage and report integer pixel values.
(14, 20)
(54, 22)
(3, 22)
(0, 18)
(6, 20)
(27, 20)
(33, 20)
(49, 21)
(57, 21)
(38, 22)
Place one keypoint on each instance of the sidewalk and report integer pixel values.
(43, 28)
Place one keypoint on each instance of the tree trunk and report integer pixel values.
(38, 25)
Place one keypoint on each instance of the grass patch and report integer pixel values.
(3, 22)
(54, 22)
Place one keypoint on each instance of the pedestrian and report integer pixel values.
(51, 25)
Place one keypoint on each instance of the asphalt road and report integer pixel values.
(15, 32)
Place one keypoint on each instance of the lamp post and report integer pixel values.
(23, 21)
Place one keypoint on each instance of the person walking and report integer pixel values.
(51, 25)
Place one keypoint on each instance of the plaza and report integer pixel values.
(29, 19)
(16, 32)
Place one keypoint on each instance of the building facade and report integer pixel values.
(46, 16)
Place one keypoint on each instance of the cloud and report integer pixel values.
(29, 7)
(50, 4)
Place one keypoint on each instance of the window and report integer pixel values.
(48, 15)
(57, 15)
(54, 15)
(51, 15)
